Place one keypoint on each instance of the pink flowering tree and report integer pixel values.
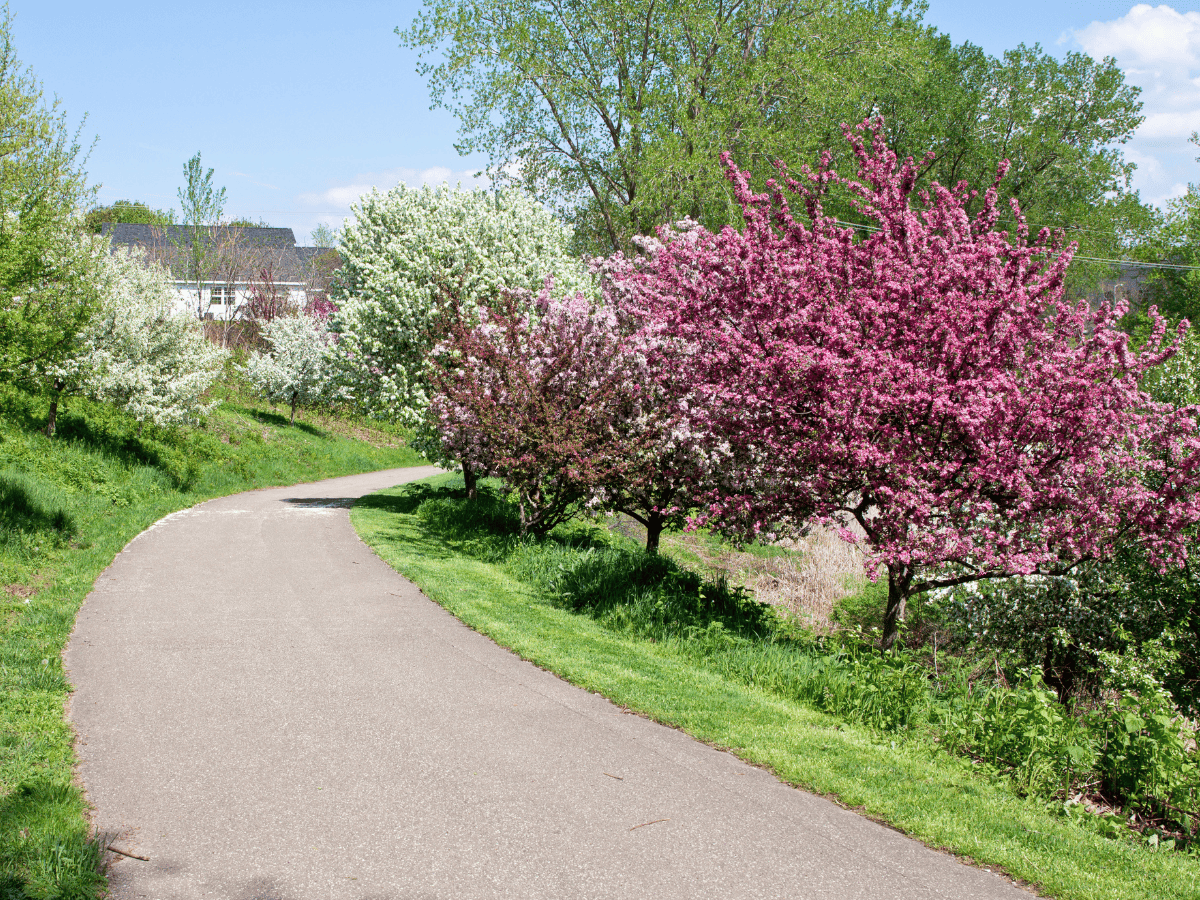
(922, 377)
(557, 400)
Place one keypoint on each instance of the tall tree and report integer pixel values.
(617, 111)
(202, 206)
(131, 211)
(46, 295)
(1058, 123)
(1175, 242)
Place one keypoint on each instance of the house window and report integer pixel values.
(222, 295)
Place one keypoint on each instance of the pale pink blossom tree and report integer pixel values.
(557, 399)
(922, 377)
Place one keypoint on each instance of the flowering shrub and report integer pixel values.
(531, 397)
(408, 256)
(559, 400)
(926, 381)
(268, 299)
(296, 368)
(139, 352)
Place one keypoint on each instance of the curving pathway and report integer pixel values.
(267, 711)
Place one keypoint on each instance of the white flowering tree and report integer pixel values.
(409, 256)
(138, 351)
(296, 368)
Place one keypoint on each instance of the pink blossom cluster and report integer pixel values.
(556, 397)
(922, 376)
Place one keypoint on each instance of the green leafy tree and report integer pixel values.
(324, 237)
(1175, 244)
(45, 293)
(617, 112)
(126, 211)
(202, 206)
(1059, 123)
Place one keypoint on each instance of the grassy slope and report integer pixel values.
(67, 507)
(928, 794)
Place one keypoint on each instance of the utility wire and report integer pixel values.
(1117, 262)
(1141, 265)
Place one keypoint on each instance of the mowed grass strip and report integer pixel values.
(936, 798)
(68, 505)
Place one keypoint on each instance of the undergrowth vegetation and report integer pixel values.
(68, 504)
(1122, 770)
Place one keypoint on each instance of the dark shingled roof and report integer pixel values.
(128, 234)
(248, 250)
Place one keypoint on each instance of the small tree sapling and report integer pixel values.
(296, 367)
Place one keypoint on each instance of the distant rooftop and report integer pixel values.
(146, 235)
(240, 252)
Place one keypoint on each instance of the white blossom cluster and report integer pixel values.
(296, 369)
(1177, 381)
(409, 255)
(139, 352)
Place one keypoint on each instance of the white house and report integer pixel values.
(234, 264)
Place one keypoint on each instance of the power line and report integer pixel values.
(1117, 262)
(1140, 265)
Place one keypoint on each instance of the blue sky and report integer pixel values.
(301, 106)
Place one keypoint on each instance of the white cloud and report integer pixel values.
(1148, 38)
(336, 201)
(1159, 50)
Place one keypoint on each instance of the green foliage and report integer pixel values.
(1176, 241)
(616, 113)
(861, 612)
(1143, 755)
(126, 211)
(324, 236)
(46, 293)
(202, 205)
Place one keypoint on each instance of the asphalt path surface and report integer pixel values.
(266, 710)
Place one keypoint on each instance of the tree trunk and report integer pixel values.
(899, 582)
(654, 528)
(295, 394)
(471, 480)
(52, 418)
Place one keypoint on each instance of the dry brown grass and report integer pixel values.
(819, 570)
(806, 580)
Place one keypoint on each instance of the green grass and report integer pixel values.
(686, 677)
(67, 507)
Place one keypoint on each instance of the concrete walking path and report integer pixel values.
(267, 711)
